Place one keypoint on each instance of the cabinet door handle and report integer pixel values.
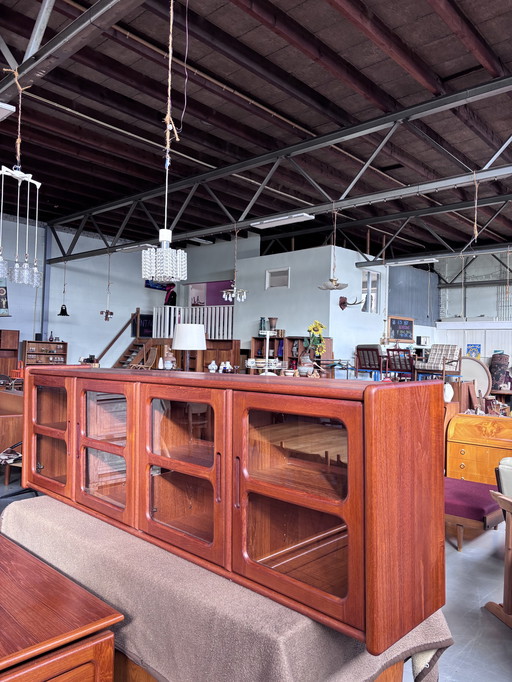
(237, 482)
(218, 477)
(462, 465)
(462, 451)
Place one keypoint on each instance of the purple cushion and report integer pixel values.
(468, 499)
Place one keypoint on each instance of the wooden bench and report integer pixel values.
(468, 504)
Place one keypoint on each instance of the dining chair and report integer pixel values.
(370, 359)
(400, 362)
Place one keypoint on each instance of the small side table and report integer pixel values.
(51, 627)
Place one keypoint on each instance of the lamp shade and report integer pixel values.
(189, 337)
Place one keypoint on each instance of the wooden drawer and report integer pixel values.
(473, 462)
(90, 660)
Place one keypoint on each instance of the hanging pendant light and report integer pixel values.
(332, 284)
(234, 293)
(21, 273)
(107, 314)
(63, 309)
(4, 265)
(163, 264)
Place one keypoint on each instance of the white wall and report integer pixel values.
(85, 329)
(25, 302)
(297, 307)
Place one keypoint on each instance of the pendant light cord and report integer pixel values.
(169, 123)
(18, 138)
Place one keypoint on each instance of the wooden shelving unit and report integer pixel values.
(44, 353)
(9, 342)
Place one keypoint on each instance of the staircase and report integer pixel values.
(135, 352)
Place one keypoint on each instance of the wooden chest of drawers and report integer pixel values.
(475, 446)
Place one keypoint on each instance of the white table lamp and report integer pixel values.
(189, 337)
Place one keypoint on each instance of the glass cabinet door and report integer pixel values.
(50, 446)
(105, 473)
(183, 436)
(298, 500)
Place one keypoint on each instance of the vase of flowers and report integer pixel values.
(315, 342)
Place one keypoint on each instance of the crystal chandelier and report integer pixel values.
(234, 293)
(163, 264)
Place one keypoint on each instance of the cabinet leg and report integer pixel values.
(392, 674)
(460, 537)
(498, 611)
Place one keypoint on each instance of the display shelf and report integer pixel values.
(320, 480)
(44, 353)
(299, 452)
(198, 453)
(313, 549)
(294, 349)
(182, 502)
(51, 458)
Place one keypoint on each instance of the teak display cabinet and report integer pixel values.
(325, 495)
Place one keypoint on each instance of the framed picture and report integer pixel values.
(4, 303)
(401, 329)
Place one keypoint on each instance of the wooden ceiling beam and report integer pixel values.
(460, 25)
(392, 45)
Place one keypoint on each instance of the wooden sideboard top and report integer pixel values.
(41, 609)
(323, 388)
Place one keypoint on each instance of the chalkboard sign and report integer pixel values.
(401, 329)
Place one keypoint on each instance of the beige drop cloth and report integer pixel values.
(186, 624)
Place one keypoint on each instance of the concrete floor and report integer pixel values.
(483, 645)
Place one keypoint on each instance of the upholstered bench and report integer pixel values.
(468, 504)
(185, 623)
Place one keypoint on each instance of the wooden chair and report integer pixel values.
(444, 360)
(400, 362)
(369, 358)
(149, 362)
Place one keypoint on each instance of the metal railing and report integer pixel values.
(217, 319)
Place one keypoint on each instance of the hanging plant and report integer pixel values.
(316, 339)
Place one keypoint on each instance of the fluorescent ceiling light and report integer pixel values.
(6, 110)
(283, 220)
(200, 240)
(135, 247)
(414, 261)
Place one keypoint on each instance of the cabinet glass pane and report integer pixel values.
(105, 476)
(51, 458)
(182, 502)
(183, 431)
(303, 544)
(51, 406)
(300, 452)
(106, 417)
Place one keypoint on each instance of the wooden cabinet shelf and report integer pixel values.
(44, 353)
(9, 346)
(299, 490)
